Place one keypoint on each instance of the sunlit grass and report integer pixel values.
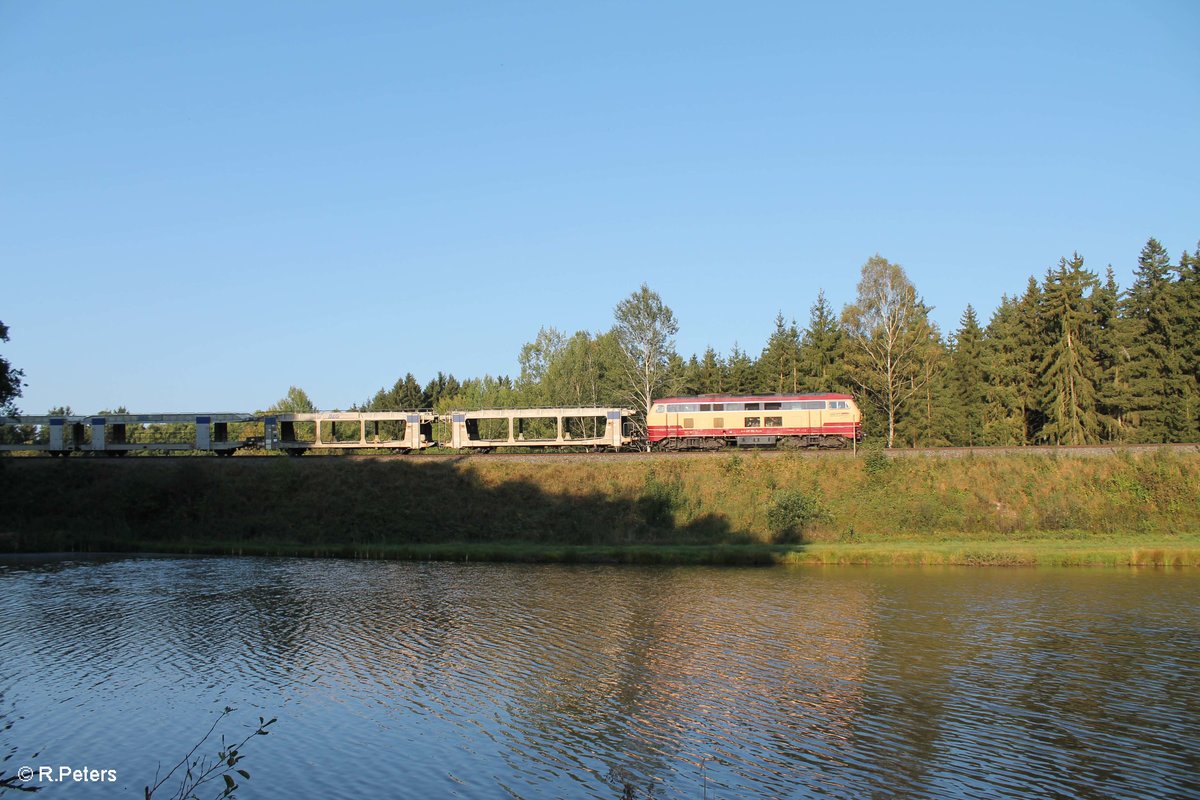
(1118, 510)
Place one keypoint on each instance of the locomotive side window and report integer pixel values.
(753, 422)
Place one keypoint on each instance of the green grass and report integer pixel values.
(738, 509)
(1053, 553)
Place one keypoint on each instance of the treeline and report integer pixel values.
(1071, 360)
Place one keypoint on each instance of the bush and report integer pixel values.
(791, 512)
(875, 461)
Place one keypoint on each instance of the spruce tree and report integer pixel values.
(1112, 356)
(1068, 368)
(822, 356)
(930, 417)
(740, 372)
(711, 377)
(968, 357)
(1004, 414)
(1162, 383)
(778, 366)
(1189, 303)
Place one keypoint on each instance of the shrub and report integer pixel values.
(875, 461)
(791, 512)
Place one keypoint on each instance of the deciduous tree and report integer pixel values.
(889, 339)
(10, 380)
(645, 332)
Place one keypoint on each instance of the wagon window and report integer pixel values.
(752, 406)
(688, 422)
(706, 406)
(774, 422)
(753, 422)
(772, 407)
(718, 406)
(813, 405)
(733, 406)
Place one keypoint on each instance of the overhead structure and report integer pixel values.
(539, 427)
(297, 432)
(122, 433)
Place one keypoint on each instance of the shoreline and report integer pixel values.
(1025, 553)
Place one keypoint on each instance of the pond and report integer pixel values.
(465, 680)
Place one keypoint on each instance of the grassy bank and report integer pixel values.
(735, 509)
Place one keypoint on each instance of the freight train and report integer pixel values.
(708, 422)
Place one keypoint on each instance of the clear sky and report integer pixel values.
(204, 203)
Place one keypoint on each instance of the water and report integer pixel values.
(431, 680)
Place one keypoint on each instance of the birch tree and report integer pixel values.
(888, 338)
(645, 329)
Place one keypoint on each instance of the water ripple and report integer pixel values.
(474, 681)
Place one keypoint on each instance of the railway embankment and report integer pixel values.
(1136, 508)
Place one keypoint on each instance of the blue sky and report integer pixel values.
(202, 204)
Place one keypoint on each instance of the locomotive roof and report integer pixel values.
(737, 398)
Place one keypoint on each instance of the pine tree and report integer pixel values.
(1068, 369)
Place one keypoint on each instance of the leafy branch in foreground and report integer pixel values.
(199, 771)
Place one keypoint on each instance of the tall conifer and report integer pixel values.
(968, 357)
(1068, 368)
(1163, 384)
